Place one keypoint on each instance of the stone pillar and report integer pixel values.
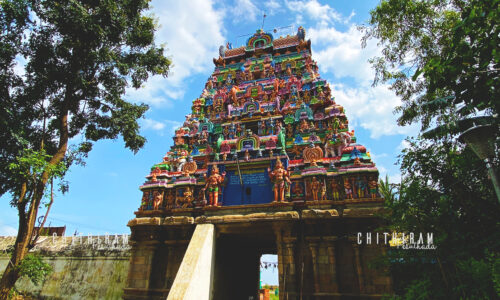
(140, 264)
(285, 245)
(175, 253)
(332, 261)
(291, 283)
(139, 273)
(358, 263)
(313, 247)
(281, 263)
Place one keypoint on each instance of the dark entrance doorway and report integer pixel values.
(237, 262)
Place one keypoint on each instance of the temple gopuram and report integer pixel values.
(267, 160)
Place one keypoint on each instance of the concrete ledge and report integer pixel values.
(144, 221)
(173, 220)
(181, 220)
(363, 212)
(320, 214)
(256, 217)
(373, 210)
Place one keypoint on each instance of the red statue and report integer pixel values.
(213, 185)
(281, 180)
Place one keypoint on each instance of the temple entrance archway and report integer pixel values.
(318, 254)
(237, 259)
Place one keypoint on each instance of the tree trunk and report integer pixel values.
(10, 275)
(27, 222)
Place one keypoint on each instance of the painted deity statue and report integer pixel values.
(373, 185)
(187, 197)
(232, 131)
(297, 190)
(157, 200)
(144, 201)
(336, 142)
(203, 137)
(281, 180)
(323, 192)
(348, 189)
(213, 184)
(170, 199)
(303, 126)
(239, 130)
(361, 186)
(335, 189)
(289, 131)
(234, 90)
(262, 128)
(225, 132)
(315, 185)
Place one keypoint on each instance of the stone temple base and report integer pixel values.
(318, 253)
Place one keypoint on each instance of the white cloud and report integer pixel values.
(371, 108)
(20, 64)
(341, 54)
(272, 7)
(395, 178)
(6, 230)
(403, 145)
(376, 157)
(160, 126)
(192, 32)
(244, 10)
(155, 92)
(152, 124)
(382, 169)
(323, 14)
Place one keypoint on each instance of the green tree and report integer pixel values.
(445, 191)
(80, 56)
(441, 57)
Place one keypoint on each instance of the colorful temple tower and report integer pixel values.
(266, 148)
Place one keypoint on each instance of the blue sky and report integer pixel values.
(104, 194)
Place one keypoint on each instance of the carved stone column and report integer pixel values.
(139, 274)
(175, 253)
(289, 261)
(313, 247)
(285, 245)
(358, 263)
(332, 261)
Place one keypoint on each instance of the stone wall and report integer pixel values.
(83, 267)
